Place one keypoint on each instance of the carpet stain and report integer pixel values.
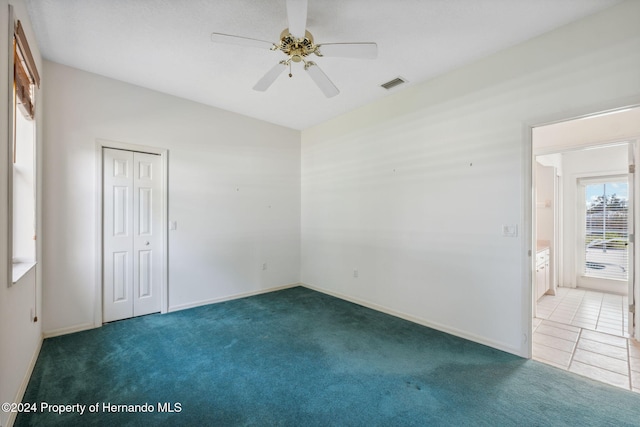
(413, 385)
(231, 344)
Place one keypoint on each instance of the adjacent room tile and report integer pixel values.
(557, 332)
(547, 354)
(602, 348)
(617, 315)
(536, 321)
(562, 326)
(584, 332)
(605, 338)
(610, 323)
(611, 331)
(581, 321)
(563, 312)
(600, 374)
(601, 361)
(554, 342)
(634, 349)
(585, 325)
(587, 314)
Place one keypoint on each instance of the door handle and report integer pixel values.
(146, 243)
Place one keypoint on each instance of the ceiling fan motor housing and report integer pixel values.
(295, 48)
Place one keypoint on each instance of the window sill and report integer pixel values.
(20, 269)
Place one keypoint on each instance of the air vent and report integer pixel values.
(393, 83)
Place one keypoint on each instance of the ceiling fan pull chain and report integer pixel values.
(290, 74)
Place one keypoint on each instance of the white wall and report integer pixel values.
(413, 190)
(234, 190)
(20, 337)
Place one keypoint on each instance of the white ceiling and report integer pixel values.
(165, 45)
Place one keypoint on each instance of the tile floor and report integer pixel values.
(585, 332)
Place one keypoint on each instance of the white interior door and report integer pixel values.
(132, 234)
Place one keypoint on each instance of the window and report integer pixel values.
(606, 235)
(22, 196)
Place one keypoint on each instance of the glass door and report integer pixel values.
(605, 233)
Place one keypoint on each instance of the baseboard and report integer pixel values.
(609, 288)
(231, 297)
(420, 321)
(433, 325)
(69, 330)
(25, 381)
(87, 326)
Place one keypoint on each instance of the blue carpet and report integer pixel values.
(301, 358)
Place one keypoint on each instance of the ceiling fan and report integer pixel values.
(297, 44)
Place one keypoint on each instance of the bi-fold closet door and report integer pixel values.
(132, 234)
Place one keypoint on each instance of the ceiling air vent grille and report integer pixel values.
(393, 83)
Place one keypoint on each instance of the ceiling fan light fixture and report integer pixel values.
(297, 44)
(292, 46)
(321, 80)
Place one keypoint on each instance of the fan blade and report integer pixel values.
(267, 80)
(241, 41)
(297, 16)
(349, 50)
(320, 78)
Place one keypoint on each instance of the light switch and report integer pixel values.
(509, 230)
(173, 225)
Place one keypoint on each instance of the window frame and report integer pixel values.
(581, 184)
(19, 56)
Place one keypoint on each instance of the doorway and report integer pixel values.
(588, 237)
(133, 239)
(583, 218)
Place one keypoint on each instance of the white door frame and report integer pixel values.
(528, 215)
(164, 155)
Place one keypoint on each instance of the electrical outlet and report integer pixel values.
(355, 274)
(264, 266)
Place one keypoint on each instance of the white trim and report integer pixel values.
(232, 297)
(433, 325)
(618, 287)
(70, 330)
(25, 381)
(633, 291)
(527, 262)
(164, 155)
(87, 326)
(9, 169)
(20, 269)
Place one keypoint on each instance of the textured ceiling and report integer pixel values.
(165, 45)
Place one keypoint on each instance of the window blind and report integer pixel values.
(606, 232)
(25, 72)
